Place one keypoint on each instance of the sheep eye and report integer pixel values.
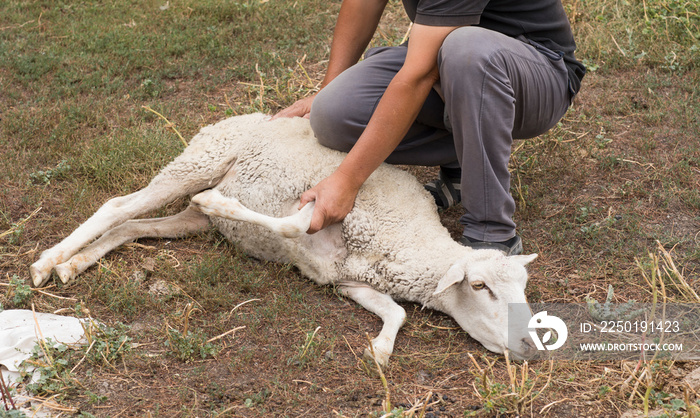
(478, 285)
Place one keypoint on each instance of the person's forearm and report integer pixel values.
(394, 115)
(335, 195)
(399, 106)
(355, 26)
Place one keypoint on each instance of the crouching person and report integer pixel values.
(473, 76)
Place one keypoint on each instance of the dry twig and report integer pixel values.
(169, 124)
(19, 224)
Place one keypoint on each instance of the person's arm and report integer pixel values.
(357, 21)
(396, 111)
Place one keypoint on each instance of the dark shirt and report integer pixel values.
(542, 21)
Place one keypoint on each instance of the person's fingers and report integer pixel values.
(306, 197)
(334, 200)
(317, 218)
(286, 113)
(318, 221)
(301, 108)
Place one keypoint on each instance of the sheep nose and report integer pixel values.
(528, 347)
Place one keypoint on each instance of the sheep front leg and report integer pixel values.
(213, 203)
(383, 306)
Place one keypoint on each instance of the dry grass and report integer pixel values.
(608, 197)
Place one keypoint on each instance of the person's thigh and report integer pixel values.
(496, 88)
(488, 69)
(342, 110)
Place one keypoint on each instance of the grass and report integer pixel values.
(621, 34)
(610, 196)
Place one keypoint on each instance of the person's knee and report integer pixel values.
(331, 123)
(469, 49)
(325, 121)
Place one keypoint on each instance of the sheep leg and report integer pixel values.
(184, 223)
(115, 212)
(382, 305)
(213, 203)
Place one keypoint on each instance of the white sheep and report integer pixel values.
(391, 247)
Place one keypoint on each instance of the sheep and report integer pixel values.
(246, 174)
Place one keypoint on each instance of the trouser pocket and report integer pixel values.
(554, 56)
(550, 54)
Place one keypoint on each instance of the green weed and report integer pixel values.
(54, 376)
(56, 173)
(258, 398)
(189, 346)
(106, 344)
(514, 396)
(14, 234)
(124, 296)
(12, 413)
(310, 351)
(52, 365)
(18, 292)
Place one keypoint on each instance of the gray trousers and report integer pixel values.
(495, 88)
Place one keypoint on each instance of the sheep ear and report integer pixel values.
(524, 259)
(453, 276)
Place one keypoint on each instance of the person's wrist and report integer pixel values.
(350, 181)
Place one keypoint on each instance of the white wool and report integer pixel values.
(392, 239)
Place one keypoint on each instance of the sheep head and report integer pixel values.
(477, 291)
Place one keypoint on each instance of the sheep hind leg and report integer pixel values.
(184, 223)
(382, 305)
(213, 203)
(113, 213)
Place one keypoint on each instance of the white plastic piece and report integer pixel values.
(20, 330)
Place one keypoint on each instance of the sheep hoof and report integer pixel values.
(379, 356)
(205, 198)
(39, 273)
(65, 272)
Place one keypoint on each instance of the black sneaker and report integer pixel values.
(446, 188)
(513, 246)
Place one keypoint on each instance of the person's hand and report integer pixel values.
(300, 108)
(334, 197)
